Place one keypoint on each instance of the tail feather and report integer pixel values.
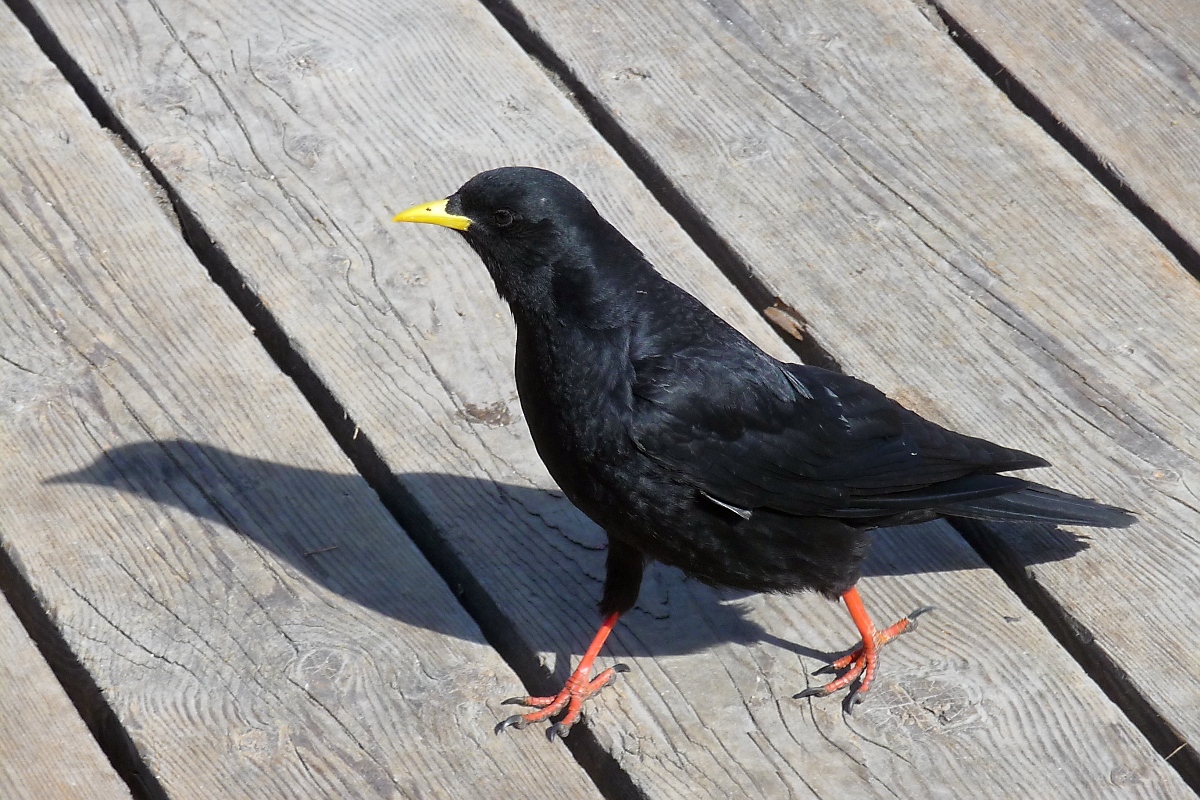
(1037, 503)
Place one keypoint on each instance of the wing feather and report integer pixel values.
(753, 432)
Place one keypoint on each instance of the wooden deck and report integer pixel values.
(272, 522)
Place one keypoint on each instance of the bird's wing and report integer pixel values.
(752, 432)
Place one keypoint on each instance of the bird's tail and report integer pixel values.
(1037, 503)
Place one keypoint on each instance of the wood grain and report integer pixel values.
(944, 248)
(252, 616)
(293, 132)
(1124, 77)
(45, 749)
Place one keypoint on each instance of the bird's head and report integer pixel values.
(538, 235)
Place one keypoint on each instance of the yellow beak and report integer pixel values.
(434, 214)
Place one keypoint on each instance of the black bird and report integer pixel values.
(690, 445)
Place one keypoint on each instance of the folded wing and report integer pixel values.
(753, 433)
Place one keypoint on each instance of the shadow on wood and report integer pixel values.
(246, 494)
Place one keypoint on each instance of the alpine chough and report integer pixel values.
(690, 445)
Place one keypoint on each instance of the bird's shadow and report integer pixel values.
(313, 519)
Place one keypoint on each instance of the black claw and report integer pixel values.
(620, 668)
(559, 730)
(853, 699)
(825, 670)
(912, 618)
(816, 691)
(513, 701)
(515, 721)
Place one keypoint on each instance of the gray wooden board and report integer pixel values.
(257, 622)
(294, 132)
(1122, 75)
(944, 248)
(45, 749)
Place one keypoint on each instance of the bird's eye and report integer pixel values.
(503, 218)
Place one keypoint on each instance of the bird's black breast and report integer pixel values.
(575, 394)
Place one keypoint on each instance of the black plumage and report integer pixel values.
(690, 445)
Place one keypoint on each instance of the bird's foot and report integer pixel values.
(577, 689)
(860, 664)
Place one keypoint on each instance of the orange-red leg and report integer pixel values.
(860, 664)
(577, 689)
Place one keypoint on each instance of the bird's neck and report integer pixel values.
(597, 284)
(580, 328)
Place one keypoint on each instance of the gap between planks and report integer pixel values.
(1031, 106)
(77, 683)
(1068, 632)
(80, 687)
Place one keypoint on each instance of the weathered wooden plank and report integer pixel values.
(1123, 77)
(293, 132)
(251, 614)
(946, 249)
(45, 749)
